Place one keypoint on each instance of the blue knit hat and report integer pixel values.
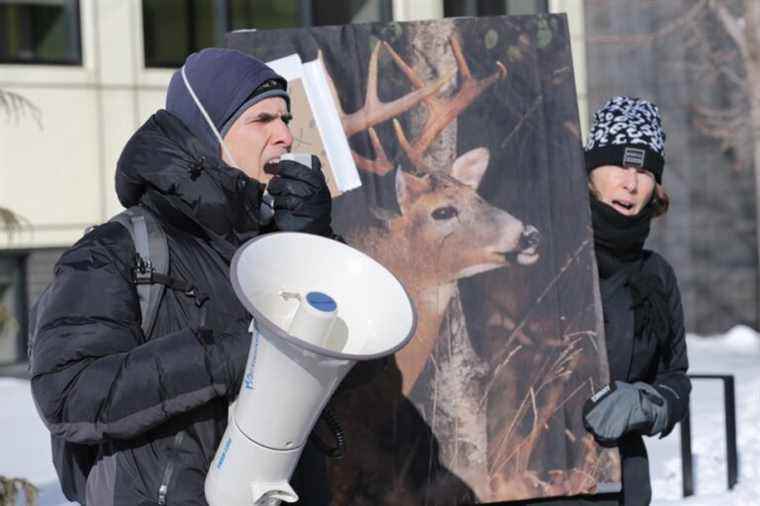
(226, 82)
(627, 132)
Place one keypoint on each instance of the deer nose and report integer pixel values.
(530, 238)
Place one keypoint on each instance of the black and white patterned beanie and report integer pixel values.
(627, 132)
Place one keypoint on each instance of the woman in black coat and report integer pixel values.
(643, 318)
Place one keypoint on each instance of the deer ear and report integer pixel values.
(469, 168)
(410, 187)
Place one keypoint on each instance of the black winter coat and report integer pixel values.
(151, 409)
(644, 358)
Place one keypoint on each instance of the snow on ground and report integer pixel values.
(736, 352)
(25, 442)
(25, 451)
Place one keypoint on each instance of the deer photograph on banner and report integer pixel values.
(454, 158)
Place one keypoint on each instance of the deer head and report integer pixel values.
(445, 232)
(450, 232)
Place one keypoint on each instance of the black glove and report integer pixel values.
(620, 408)
(302, 201)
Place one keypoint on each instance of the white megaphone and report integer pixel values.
(318, 307)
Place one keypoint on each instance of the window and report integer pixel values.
(265, 14)
(40, 31)
(453, 8)
(172, 29)
(343, 12)
(23, 277)
(12, 309)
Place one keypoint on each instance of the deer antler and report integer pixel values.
(375, 111)
(443, 111)
(381, 164)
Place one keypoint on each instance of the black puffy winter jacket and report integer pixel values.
(631, 358)
(151, 410)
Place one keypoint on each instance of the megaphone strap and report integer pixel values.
(143, 273)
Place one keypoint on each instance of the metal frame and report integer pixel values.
(732, 458)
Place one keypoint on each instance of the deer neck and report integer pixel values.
(431, 294)
(407, 260)
(431, 304)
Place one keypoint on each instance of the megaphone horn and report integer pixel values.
(318, 307)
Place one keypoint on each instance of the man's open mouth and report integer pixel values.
(270, 167)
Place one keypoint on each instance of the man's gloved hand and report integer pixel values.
(302, 200)
(621, 407)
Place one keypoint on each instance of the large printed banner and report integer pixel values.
(463, 174)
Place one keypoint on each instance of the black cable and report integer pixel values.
(335, 452)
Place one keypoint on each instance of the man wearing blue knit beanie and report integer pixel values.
(239, 108)
(136, 412)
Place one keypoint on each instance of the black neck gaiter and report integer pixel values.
(618, 239)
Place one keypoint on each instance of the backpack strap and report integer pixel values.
(152, 258)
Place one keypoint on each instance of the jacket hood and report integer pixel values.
(170, 171)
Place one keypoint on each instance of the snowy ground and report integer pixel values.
(25, 443)
(24, 447)
(737, 353)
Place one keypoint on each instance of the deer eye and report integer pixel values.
(445, 213)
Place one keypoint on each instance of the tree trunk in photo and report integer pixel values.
(455, 416)
(432, 40)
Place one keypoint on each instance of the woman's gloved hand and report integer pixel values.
(621, 407)
(302, 201)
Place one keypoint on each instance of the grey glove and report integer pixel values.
(302, 201)
(620, 408)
